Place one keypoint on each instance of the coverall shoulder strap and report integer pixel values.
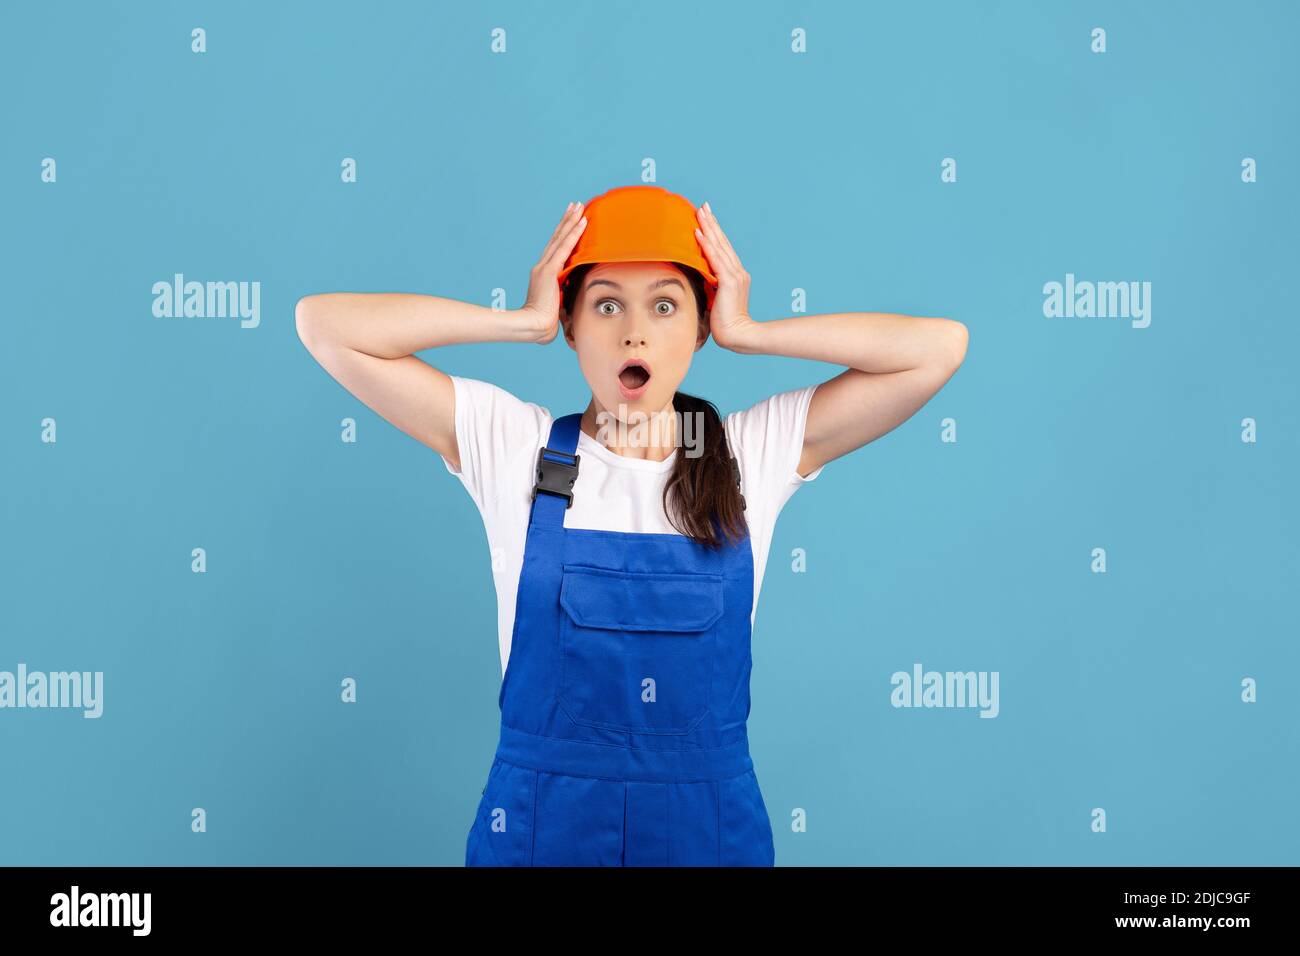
(557, 470)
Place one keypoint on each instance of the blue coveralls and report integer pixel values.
(623, 706)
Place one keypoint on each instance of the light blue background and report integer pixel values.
(328, 560)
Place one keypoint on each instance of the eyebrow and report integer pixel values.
(650, 288)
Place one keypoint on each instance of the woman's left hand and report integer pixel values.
(729, 318)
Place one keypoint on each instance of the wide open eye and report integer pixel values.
(672, 307)
(600, 306)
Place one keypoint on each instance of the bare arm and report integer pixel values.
(896, 363)
(367, 341)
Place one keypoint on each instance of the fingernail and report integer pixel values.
(708, 207)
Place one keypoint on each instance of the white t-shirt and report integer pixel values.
(500, 435)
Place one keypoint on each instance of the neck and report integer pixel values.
(651, 436)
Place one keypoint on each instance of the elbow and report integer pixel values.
(304, 320)
(956, 338)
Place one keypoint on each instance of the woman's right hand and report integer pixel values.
(541, 310)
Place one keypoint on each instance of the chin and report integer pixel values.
(645, 404)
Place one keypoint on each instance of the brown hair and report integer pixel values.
(701, 497)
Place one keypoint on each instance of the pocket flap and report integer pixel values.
(641, 600)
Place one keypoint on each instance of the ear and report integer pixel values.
(566, 323)
(703, 335)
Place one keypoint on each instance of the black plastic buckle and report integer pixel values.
(556, 477)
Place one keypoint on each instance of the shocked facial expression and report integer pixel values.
(635, 327)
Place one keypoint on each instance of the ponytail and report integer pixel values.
(702, 496)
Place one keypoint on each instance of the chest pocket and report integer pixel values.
(637, 648)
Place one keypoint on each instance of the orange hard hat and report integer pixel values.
(641, 223)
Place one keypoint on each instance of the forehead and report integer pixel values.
(633, 276)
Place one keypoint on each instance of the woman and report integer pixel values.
(632, 536)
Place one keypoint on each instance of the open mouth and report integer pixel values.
(633, 378)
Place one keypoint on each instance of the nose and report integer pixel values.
(634, 331)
